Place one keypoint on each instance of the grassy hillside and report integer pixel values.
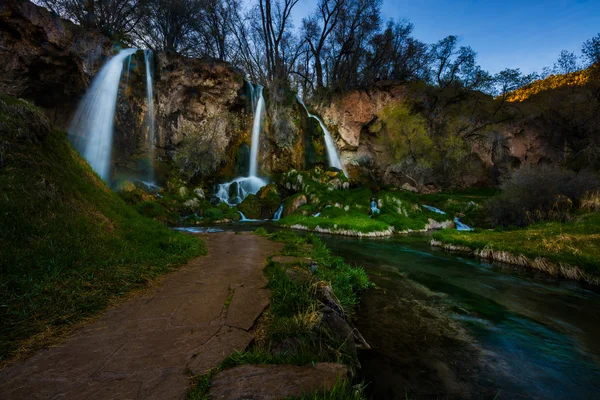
(68, 245)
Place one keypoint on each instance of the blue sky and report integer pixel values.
(527, 34)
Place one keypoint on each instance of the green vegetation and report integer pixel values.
(576, 242)
(347, 210)
(69, 244)
(292, 330)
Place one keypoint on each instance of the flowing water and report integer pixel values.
(234, 192)
(91, 131)
(278, 213)
(443, 325)
(332, 152)
(150, 113)
(258, 113)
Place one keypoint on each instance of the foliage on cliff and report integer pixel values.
(577, 78)
(69, 244)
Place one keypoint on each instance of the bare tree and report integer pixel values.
(113, 17)
(591, 50)
(170, 25)
(317, 28)
(566, 63)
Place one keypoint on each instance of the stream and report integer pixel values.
(441, 325)
(445, 326)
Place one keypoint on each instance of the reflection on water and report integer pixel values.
(538, 335)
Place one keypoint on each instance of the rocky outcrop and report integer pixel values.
(272, 382)
(46, 59)
(350, 113)
(353, 118)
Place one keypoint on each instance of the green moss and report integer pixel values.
(251, 207)
(69, 244)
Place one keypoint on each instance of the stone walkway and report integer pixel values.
(143, 348)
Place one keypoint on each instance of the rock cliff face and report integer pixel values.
(47, 59)
(507, 146)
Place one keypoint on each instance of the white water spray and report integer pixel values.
(150, 112)
(234, 192)
(332, 152)
(91, 130)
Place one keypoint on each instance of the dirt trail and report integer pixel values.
(143, 348)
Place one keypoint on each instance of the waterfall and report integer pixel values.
(278, 213)
(460, 226)
(91, 130)
(433, 209)
(374, 208)
(234, 192)
(150, 112)
(332, 153)
(260, 105)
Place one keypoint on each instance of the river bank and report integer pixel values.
(441, 325)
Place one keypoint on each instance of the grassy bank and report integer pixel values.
(69, 244)
(575, 244)
(292, 331)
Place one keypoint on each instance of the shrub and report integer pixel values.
(536, 193)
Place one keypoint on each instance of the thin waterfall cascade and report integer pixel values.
(332, 152)
(434, 209)
(460, 226)
(256, 130)
(374, 208)
(278, 213)
(150, 112)
(92, 127)
(234, 192)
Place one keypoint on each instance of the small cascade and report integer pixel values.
(435, 210)
(150, 112)
(332, 152)
(374, 208)
(91, 131)
(234, 192)
(316, 214)
(460, 226)
(244, 219)
(278, 213)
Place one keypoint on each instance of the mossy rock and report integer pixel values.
(269, 199)
(251, 207)
(292, 203)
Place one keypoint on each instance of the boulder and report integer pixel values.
(275, 382)
(199, 193)
(250, 207)
(293, 203)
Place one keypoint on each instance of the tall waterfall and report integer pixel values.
(150, 112)
(91, 130)
(258, 112)
(332, 152)
(234, 192)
